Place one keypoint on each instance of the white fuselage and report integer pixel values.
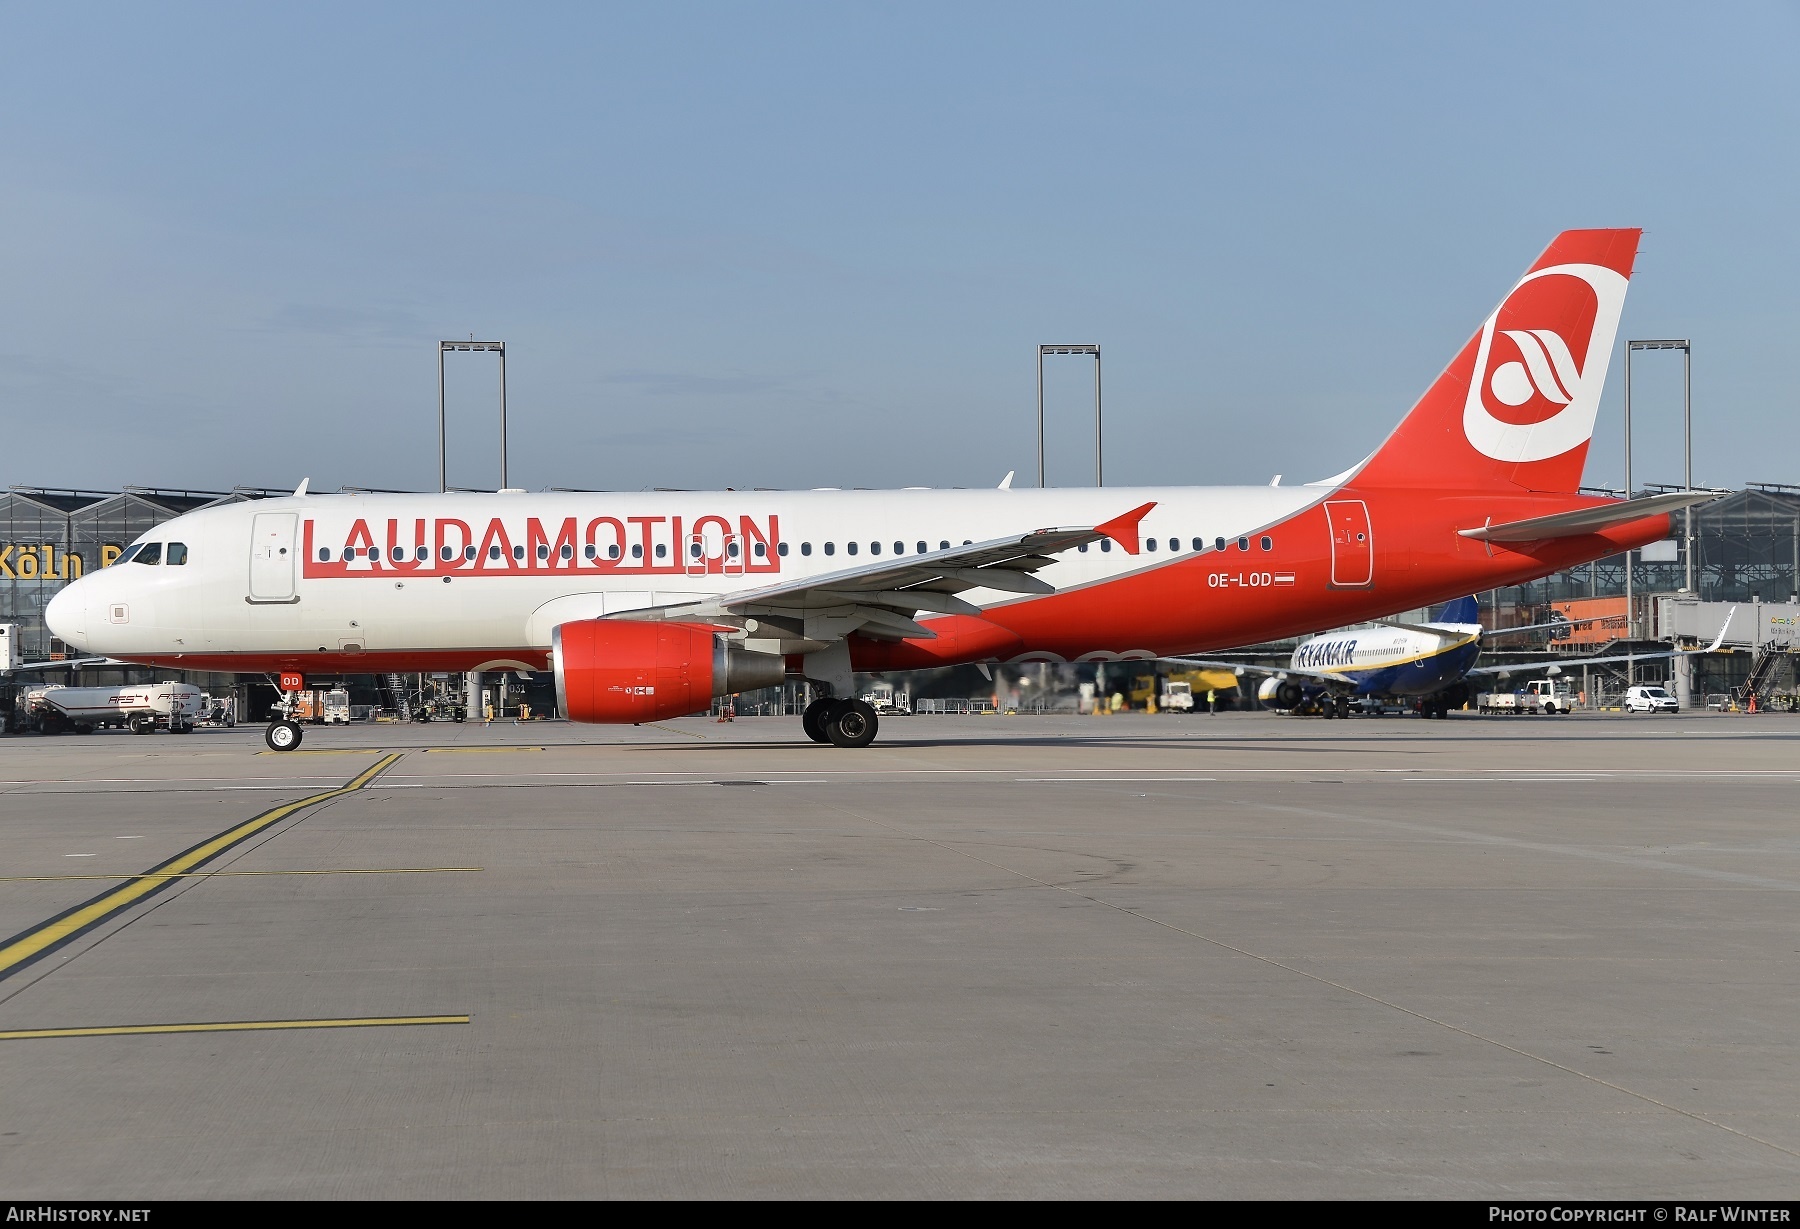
(495, 573)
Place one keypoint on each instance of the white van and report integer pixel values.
(1649, 700)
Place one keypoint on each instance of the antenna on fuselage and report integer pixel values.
(301, 489)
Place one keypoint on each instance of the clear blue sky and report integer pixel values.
(810, 245)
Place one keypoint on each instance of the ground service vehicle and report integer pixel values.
(320, 706)
(174, 707)
(648, 604)
(1650, 699)
(886, 700)
(1537, 696)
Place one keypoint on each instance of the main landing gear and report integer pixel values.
(282, 735)
(843, 723)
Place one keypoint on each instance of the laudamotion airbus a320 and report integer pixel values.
(648, 605)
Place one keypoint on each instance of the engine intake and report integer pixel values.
(623, 671)
(1280, 693)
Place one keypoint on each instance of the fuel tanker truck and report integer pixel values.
(174, 707)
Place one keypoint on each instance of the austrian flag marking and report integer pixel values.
(1284, 578)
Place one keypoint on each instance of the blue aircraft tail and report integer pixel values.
(1462, 610)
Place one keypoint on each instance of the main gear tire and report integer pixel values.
(814, 719)
(852, 724)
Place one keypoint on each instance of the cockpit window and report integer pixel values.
(130, 553)
(177, 555)
(151, 553)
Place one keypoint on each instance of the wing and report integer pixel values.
(1238, 667)
(64, 665)
(1537, 627)
(1601, 661)
(881, 600)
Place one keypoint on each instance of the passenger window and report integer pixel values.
(899, 548)
(612, 552)
(324, 554)
(921, 548)
(493, 552)
(1175, 544)
(1083, 548)
(1199, 543)
(399, 553)
(806, 548)
(1268, 543)
(761, 550)
(422, 554)
(831, 548)
(694, 549)
(731, 549)
(637, 550)
(1243, 543)
(469, 552)
(781, 549)
(177, 555)
(151, 554)
(543, 551)
(568, 551)
(943, 546)
(447, 553)
(874, 548)
(662, 552)
(851, 547)
(588, 551)
(968, 542)
(1149, 543)
(518, 552)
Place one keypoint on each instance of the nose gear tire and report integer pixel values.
(282, 736)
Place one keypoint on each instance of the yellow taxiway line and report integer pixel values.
(227, 1026)
(47, 936)
(330, 751)
(335, 870)
(476, 750)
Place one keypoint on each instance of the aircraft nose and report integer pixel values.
(66, 615)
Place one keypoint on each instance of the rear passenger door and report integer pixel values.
(1352, 544)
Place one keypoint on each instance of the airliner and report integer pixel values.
(648, 605)
(1430, 663)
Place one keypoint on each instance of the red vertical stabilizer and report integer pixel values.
(1514, 411)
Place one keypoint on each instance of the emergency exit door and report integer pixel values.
(1352, 544)
(272, 557)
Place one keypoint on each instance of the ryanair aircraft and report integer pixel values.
(1425, 663)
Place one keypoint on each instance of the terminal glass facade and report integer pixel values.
(50, 537)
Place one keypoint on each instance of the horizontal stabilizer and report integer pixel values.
(1588, 520)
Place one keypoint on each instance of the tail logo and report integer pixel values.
(1529, 397)
(1547, 370)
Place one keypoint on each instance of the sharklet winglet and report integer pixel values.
(1124, 529)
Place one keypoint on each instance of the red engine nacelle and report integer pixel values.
(621, 671)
